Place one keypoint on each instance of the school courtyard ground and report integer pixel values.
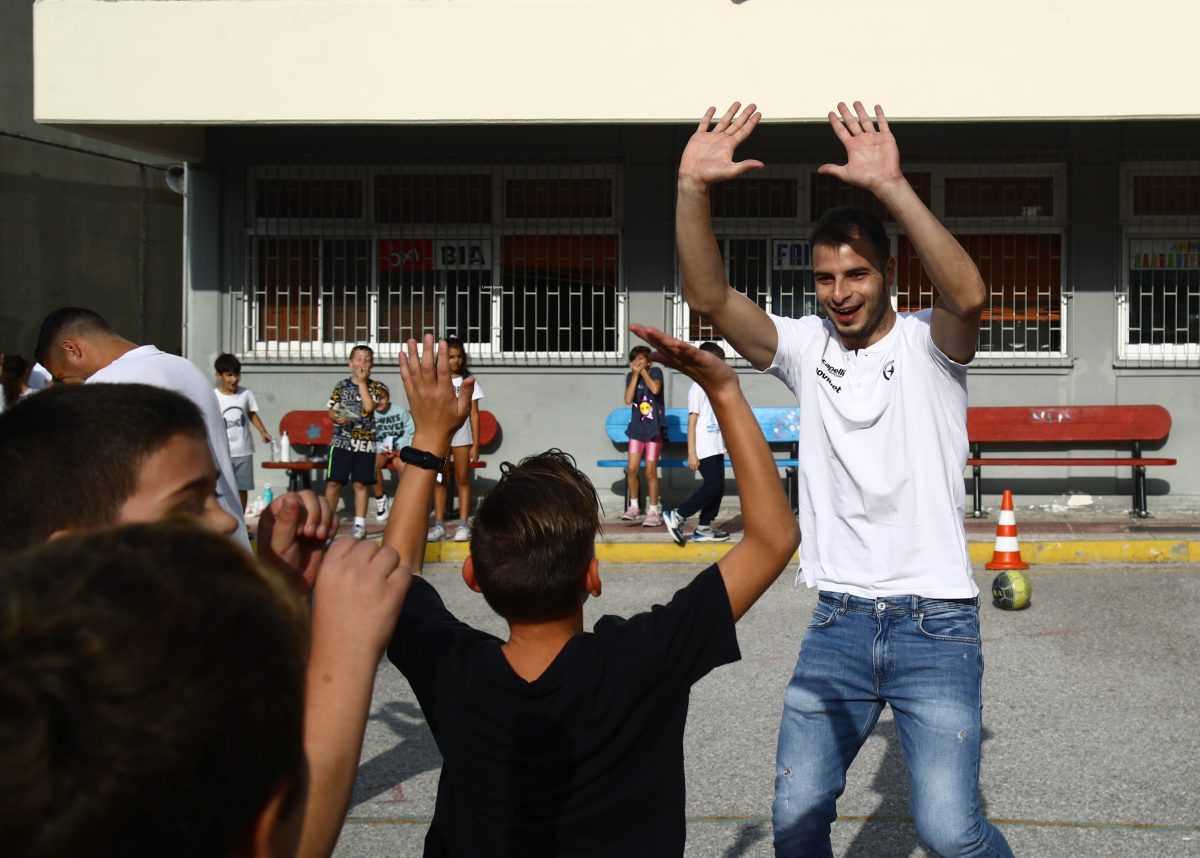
(1090, 743)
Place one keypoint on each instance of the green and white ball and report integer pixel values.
(1012, 590)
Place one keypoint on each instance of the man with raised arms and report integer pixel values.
(883, 444)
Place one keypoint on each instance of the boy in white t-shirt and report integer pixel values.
(706, 454)
(239, 408)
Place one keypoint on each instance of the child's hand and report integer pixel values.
(292, 533)
(436, 408)
(357, 599)
(707, 370)
(266, 438)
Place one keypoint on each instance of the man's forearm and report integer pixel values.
(948, 264)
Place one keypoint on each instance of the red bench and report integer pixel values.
(311, 432)
(1035, 427)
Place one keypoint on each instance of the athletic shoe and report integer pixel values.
(358, 531)
(462, 534)
(436, 533)
(706, 533)
(653, 518)
(674, 524)
(631, 514)
(382, 507)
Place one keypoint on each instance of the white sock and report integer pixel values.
(360, 520)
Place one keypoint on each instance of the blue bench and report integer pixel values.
(780, 426)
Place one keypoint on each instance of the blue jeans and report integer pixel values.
(923, 658)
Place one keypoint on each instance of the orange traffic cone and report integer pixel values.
(1007, 553)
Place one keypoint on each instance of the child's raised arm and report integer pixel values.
(437, 413)
(771, 533)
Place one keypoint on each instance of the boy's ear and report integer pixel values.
(276, 831)
(468, 573)
(591, 578)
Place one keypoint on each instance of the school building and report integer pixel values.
(362, 172)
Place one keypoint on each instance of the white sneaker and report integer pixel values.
(382, 507)
(462, 534)
(358, 531)
(631, 514)
(436, 533)
(674, 524)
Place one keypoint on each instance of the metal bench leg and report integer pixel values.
(976, 480)
(1139, 492)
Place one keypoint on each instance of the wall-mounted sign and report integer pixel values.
(791, 254)
(1164, 254)
(426, 254)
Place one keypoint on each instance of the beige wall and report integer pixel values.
(449, 61)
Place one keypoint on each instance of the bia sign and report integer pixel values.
(426, 254)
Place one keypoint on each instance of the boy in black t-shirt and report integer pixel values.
(560, 741)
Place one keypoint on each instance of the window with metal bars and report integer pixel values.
(1009, 217)
(518, 262)
(1158, 298)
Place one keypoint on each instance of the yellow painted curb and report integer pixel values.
(1047, 552)
(1055, 552)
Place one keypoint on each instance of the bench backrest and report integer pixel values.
(1067, 423)
(779, 425)
(315, 429)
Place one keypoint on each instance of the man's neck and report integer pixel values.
(111, 348)
(532, 647)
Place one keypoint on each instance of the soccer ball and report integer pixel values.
(1011, 590)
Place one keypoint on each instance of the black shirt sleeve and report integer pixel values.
(684, 639)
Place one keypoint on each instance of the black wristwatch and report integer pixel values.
(421, 459)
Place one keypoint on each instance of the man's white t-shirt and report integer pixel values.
(148, 365)
(709, 441)
(463, 437)
(236, 409)
(883, 445)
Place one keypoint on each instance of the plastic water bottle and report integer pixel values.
(268, 495)
(274, 450)
(285, 448)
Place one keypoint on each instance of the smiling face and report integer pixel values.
(854, 291)
(177, 479)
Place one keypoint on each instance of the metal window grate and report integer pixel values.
(521, 262)
(1158, 295)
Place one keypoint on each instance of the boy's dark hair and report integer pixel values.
(63, 322)
(712, 348)
(133, 724)
(361, 348)
(227, 363)
(93, 436)
(534, 536)
(13, 370)
(845, 224)
(638, 350)
(387, 391)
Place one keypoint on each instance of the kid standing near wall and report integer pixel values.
(352, 452)
(647, 424)
(706, 454)
(464, 449)
(393, 431)
(239, 408)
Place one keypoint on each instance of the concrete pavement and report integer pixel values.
(1090, 698)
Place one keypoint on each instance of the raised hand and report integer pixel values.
(708, 156)
(292, 534)
(357, 599)
(708, 370)
(431, 399)
(872, 157)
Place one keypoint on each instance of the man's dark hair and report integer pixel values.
(70, 455)
(14, 371)
(713, 349)
(227, 363)
(63, 322)
(845, 224)
(152, 691)
(534, 536)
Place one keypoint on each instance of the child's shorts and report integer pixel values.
(652, 448)
(350, 466)
(243, 473)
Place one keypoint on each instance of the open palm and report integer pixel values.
(872, 157)
(708, 156)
